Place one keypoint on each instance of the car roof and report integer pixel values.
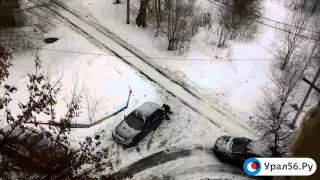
(146, 109)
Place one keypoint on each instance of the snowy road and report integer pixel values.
(197, 163)
(152, 161)
(217, 117)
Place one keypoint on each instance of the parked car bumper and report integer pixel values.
(120, 140)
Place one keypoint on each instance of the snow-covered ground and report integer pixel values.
(232, 77)
(109, 78)
(200, 165)
(233, 84)
(103, 77)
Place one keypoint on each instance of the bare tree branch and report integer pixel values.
(237, 20)
(92, 105)
(179, 24)
(289, 41)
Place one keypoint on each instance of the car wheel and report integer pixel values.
(221, 157)
(134, 142)
(156, 126)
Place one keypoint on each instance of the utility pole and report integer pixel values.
(312, 86)
(128, 11)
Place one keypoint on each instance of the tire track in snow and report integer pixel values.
(150, 140)
(167, 139)
(219, 168)
(154, 160)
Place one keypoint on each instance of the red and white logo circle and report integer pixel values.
(252, 166)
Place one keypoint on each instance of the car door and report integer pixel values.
(146, 128)
(156, 119)
(238, 159)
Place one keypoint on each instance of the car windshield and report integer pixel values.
(239, 145)
(134, 121)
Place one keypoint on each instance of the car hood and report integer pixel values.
(224, 143)
(125, 131)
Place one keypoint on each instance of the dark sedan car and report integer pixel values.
(139, 123)
(235, 150)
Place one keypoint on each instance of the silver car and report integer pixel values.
(139, 123)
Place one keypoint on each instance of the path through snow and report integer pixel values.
(220, 119)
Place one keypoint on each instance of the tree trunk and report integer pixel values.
(141, 18)
(315, 7)
(159, 10)
(220, 38)
(171, 45)
(283, 66)
(304, 4)
(157, 13)
(287, 58)
(128, 11)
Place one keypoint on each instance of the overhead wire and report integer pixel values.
(225, 6)
(286, 24)
(154, 58)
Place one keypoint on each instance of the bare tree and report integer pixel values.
(92, 105)
(304, 5)
(57, 160)
(271, 123)
(179, 23)
(316, 36)
(275, 113)
(237, 20)
(290, 38)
